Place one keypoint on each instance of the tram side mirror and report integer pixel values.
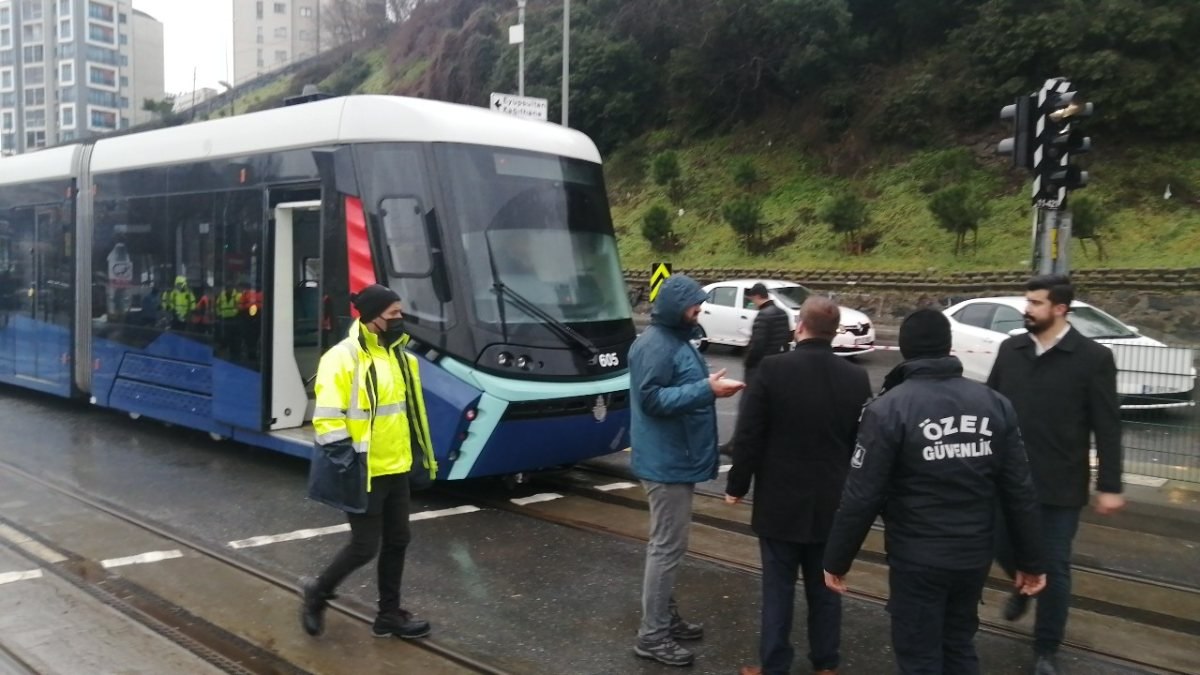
(1018, 331)
(1132, 329)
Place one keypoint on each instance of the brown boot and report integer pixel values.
(750, 670)
(827, 671)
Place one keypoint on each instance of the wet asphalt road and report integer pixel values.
(527, 595)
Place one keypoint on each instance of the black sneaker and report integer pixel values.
(1046, 665)
(1016, 606)
(666, 651)
(401, 624)
(312, 607)
(682, 630)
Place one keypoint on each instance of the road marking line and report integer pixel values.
(724, 468)
(289, 536)
(31, 546)
(615, 486)
(10, 577)
(442, 513)
(309, 533)
(534, 499)
(141, 558)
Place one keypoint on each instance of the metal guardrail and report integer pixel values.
(1161, 430)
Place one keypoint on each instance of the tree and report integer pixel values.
(1088, 220)
(744, 215)
(656, 227)
(666, 168)
(847, 216)
(957, 210)
(745, 174)
(163, 110)
(345, 21)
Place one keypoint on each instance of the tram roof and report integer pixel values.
(347, 119)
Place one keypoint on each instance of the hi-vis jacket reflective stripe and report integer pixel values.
(369, 407)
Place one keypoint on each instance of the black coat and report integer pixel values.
(794, 435)
(937, 454)
(770, 334)
(1063, 397)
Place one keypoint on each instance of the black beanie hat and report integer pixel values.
(925, 333)
(372, 300)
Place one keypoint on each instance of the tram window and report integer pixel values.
(404, 227)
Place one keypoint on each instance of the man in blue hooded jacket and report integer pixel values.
(674, 434)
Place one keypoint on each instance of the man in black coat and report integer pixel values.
(794, 437)
(1064, 388)
(771, 332)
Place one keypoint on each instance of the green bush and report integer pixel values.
(745, 217)
(846, 215)
(665, 168)
(745, 174)
(958, 211)
(656, 227)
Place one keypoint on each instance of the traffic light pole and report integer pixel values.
(1052, 243)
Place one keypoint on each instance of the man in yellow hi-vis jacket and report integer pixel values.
(372, 438)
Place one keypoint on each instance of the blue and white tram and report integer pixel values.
(195, 274)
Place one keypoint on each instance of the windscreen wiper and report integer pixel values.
(551, 322)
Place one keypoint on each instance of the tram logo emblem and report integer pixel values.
(600, 410)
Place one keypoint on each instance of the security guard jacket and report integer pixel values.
(936, 455)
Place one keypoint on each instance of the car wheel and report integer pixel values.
(701, 343)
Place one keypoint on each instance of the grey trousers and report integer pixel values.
(670, 519)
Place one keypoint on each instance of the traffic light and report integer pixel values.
(1021, 144)
(1058, 141)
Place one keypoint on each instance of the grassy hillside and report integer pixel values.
(1143, 229)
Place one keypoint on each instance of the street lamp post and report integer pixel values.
(521, 49)
(566, 58)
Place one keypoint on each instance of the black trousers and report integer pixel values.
(781, 561)
(382, 530)
(935, 614)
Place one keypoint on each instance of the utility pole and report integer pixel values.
(566, 74)
(521, 48)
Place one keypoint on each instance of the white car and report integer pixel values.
(1150, 375)
(727, 316)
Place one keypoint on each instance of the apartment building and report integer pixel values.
(270, 34)
(67, 69)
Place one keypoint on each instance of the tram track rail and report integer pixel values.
(208, 641)
(592, 519)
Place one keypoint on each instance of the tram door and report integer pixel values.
(42, 297)
(297, 319)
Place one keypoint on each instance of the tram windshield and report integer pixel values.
(538, 226)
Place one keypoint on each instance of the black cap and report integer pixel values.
(372, 300)
(758, 290)
(924, 334)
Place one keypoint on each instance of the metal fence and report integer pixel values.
(1160, 411)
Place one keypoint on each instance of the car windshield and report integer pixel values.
(791, 296)
(1093, 323)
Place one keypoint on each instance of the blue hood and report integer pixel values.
(678, 293)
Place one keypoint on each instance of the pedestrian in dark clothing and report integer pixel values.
(1064, 388)
(794, 437)
(771, 332)
(674, 433)
(938, 455)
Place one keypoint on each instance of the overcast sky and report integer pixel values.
(196, 36)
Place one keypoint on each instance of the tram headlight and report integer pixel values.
(504, 359)
(522, 362)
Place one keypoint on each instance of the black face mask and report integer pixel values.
(394, 331)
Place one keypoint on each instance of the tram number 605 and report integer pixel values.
(609, 360)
